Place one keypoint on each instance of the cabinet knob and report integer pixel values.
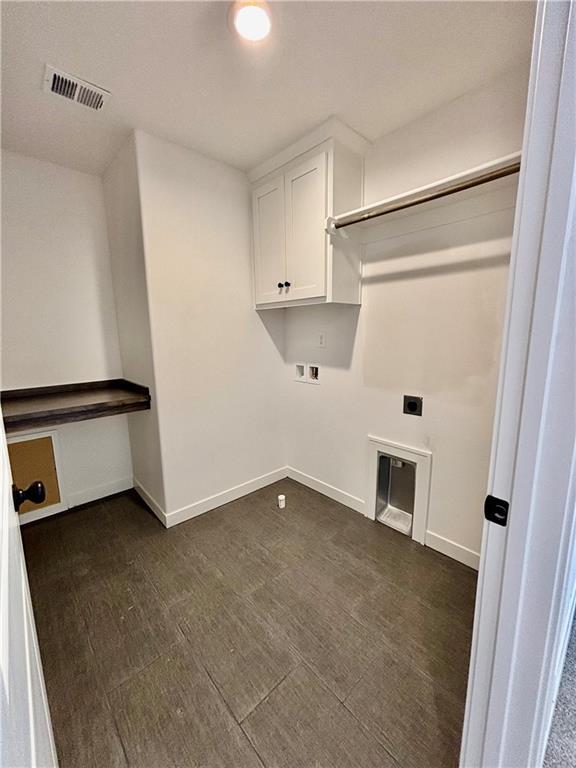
(286, 284)
(280, 285)
(36, 493)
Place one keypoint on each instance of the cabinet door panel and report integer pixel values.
(306, 242)
(269, 241)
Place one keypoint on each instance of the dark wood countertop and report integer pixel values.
(63, 403)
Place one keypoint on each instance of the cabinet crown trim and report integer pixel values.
(333, 128)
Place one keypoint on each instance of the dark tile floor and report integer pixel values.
(308, 638)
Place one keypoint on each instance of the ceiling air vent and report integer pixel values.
(75, 89)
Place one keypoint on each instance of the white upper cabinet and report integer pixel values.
(295, 261)
(306, 242)
(269, 241)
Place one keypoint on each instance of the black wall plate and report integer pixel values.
(413, 405)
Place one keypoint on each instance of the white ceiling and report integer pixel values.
(176, 70)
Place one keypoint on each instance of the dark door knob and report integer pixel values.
(36, 493)
(286, 284)
(280, 285)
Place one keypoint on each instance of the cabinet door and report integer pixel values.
(269, 241)
(306, 242)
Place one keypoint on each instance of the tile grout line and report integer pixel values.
(391, 645)
(120, 739)
(254, 747)
(133, 675)
(232, 715)
(364, 727)
(241, 724)
(271, 691)
(374, 736)
(309, 664)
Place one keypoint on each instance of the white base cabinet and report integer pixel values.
(295, 261)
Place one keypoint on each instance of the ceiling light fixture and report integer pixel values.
(251, 20)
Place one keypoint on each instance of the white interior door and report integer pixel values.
(527, 580)
(269, 241)
(306, 240)
(26, 739)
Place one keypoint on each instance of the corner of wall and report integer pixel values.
(128, 258)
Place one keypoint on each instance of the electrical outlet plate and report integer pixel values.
(300, 373)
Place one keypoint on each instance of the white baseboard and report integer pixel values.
(231, 494)
(224, 497)
(98, 492)
(453, 550)
(358, 505)
(169, 519)
(76, 498)
(150, 501)
(39, 514)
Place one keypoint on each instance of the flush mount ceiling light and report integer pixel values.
(251, 20)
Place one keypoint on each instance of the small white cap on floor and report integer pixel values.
(281, 501)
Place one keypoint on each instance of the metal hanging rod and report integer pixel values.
(417, 198)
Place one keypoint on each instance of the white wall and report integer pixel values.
(122, 198)
(95, 457)
(218, 369)
(58, 312)
(430, 325)
(477, 127)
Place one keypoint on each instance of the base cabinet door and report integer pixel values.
(269, 241)
(306, 240)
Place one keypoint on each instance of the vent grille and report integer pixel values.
(90, 98)
(63, 86)
(75, 89)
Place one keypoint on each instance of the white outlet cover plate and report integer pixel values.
(301, 379)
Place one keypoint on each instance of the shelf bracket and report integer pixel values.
(333, 231)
